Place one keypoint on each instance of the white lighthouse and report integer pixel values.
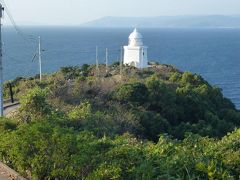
(135, 54)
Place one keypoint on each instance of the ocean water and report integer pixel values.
(212, 53)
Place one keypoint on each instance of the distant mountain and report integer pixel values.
(213, 21)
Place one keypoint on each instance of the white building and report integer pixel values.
(135, 54)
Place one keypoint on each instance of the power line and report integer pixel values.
(17, 29)
(27, 39)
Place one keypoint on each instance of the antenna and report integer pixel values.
(106, 60)
(40, 58)
(1, 66)
(97, 65)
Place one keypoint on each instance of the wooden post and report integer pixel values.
(11, 92)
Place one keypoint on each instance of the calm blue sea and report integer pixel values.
(213, 53)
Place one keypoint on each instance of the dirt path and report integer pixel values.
(8, 108)
(3, 174)
(6, 173)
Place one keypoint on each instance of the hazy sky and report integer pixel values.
(76, 12)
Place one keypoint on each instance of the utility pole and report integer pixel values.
(1, 65)
(106, 60)
(40, 57)
(121, 61)
(97, 66)
(142, 58)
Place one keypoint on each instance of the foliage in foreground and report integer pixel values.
(51, 149)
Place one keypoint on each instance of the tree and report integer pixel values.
(135, 93)
(34, 105)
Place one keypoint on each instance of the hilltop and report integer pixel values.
(153, 123)
(155, 100)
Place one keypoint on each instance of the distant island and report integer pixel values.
(211, 21)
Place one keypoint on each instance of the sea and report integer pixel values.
(212, 53)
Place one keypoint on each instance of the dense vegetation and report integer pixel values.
(156, 123)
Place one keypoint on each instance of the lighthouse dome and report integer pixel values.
(135, 38)
(135, 35)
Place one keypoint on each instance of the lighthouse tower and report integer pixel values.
(135, 54)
